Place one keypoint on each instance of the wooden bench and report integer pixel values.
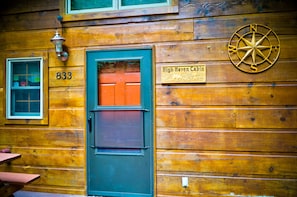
(11, 182)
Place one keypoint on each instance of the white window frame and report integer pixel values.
(9, 87)
(116, 6)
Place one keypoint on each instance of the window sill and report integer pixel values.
(120, 13)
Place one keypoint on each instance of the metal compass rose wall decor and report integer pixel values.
(254, 48)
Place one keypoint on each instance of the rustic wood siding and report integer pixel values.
(234, 135)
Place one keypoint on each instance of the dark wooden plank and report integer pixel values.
(29, 21)
(224, 27)
(227, 140)
(23, 6)
(209, 8)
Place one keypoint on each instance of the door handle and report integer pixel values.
(90, 123)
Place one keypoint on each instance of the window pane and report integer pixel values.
(119, 83)
(90, 4)
(140, 2)
(26, 101)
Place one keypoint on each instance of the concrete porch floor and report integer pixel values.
(41, 194)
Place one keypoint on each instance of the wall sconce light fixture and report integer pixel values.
(58, 40)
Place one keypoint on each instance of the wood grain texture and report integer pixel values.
(71, 157)
(67, 97)
(227, 164)
(203, 185)
(21, 6)
(72, 177)
(16, 136)
(247, 94)
(211, 50)
(235, 135)
(41, 20)
(223, 27)
(197, 8)
(270, 141)
(220, 117)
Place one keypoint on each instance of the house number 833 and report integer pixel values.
(64, 75)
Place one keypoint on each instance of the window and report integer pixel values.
(24, 88)
(82, 6)
(77, 10)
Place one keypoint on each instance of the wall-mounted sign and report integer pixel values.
(254, 48)
(183, 74)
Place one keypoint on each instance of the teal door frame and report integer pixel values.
(121, 172)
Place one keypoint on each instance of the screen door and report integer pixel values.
(120, 123)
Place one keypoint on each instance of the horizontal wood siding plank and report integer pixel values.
(30, 20)
(227, 140)
(21, 6)
(42, 137)
(212, 50)
(66, 97)
(76, 57)
(204, 117)
(170, 185)
(206, 8)
(18, 40)
(233, 94)
(50, 157)
(57, 190)
(224, 27)
(73, 118)
(195, 118)
(228, 164)
(121, 34)
(101, 35)
(225, 72)
(283, 117)
(54, 177)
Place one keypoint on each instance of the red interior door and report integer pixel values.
(119, 83)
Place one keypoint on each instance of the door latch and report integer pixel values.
(90, 123)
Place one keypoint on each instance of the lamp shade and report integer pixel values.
(58, 40)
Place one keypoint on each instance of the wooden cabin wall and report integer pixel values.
(235, 135)
(56, 150)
